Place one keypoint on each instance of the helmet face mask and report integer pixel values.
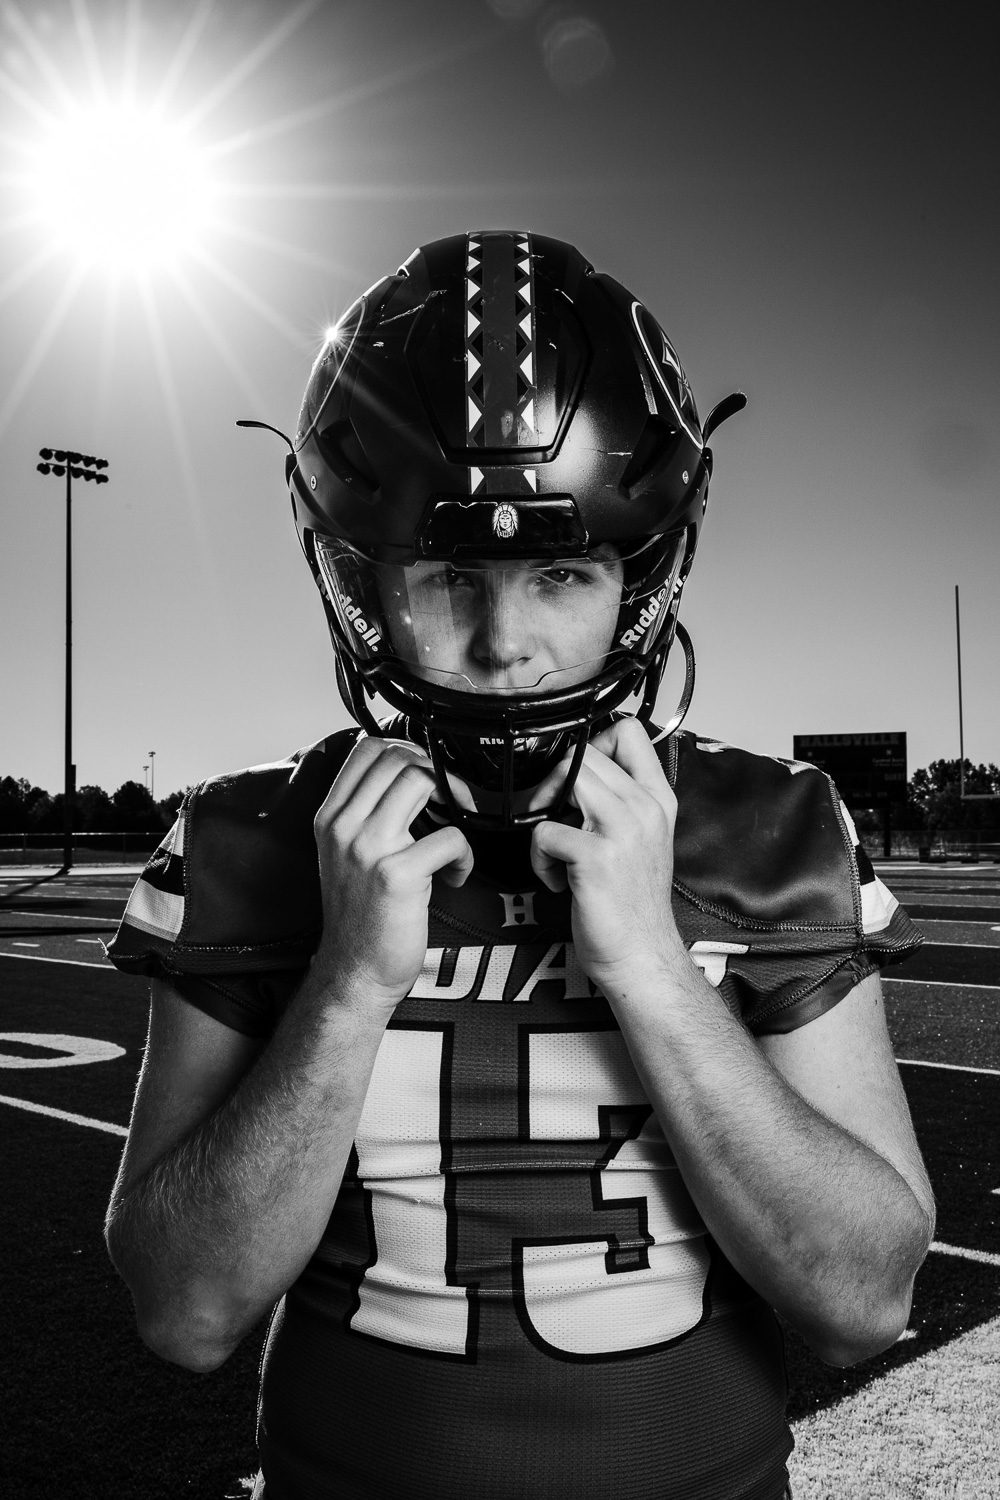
(498, 478)
(501, 659)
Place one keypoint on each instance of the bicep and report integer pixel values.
(842, 1064)
(191, 1065)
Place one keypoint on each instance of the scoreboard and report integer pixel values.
(869, 769)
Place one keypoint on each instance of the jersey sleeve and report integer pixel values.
(227, 911)
(778, 900)
(147, 943)
(249, 1003)
(884, 935)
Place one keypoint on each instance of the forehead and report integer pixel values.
(604, 557)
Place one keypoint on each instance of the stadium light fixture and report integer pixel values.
(73, 466)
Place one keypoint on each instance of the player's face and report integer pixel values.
(521, 626)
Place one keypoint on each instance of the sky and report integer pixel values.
(803, 194)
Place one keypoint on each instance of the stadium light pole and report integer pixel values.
(63, 461)
(152, 774)
(963, 795)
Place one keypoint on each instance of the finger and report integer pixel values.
(550, 789)
(552, 786)
(385, 825)
(549, 870)
(554, 846)
(445, 852)
(365, 776)
(460, 792)
(599, 790)
(370, 752)
(621, 759)
(626, 744)
(456, 847)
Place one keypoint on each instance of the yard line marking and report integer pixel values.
(947, 984)
(920, 1062)
(55, 916)
(63, 1114)
(77, 963)
(982, 1256)
(15, 944)
(943, 942)
(90, 940)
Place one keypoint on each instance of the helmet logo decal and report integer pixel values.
(643, 620)
(351, 613)
(666, 362)
(500, 385)
(504, 521)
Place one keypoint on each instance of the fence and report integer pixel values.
(942, 844)
(134, 848)
(88, 848)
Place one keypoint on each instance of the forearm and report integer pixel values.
(216, 1230)
(823, 1226)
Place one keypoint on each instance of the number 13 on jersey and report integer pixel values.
(595, 1240)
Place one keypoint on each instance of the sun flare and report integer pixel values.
(122, 189)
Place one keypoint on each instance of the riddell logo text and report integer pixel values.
(647, 615)
(351, 611)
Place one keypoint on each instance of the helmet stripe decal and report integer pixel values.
(670, 361)
(500, 341)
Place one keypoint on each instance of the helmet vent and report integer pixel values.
(339, 445)
(652, 452)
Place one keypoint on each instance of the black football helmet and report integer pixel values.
(496, 417)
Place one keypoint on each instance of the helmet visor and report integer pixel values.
(520, 626)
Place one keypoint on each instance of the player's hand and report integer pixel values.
(375, 876)
(619, 865)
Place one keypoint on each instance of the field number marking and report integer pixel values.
(64, 1114)
(65, 1051)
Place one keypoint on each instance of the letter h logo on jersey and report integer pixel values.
(518, 909)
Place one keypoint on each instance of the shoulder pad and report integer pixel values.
(235, 884)
(760, 839)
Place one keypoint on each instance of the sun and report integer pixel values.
(121, 188)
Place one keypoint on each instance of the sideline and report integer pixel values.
(76, 963)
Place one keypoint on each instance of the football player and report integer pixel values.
(522, 1058)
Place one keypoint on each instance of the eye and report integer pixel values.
(573, 576)
(446, 579)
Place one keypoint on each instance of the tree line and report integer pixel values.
(30, 809)
(933, 801)
(934, 797)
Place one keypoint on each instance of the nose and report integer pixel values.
(502, 639)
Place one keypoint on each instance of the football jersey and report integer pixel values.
(514, 1295)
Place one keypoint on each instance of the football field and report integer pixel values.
(88, 1412)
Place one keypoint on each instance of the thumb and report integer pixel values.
(550, 869)
(459, 866)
